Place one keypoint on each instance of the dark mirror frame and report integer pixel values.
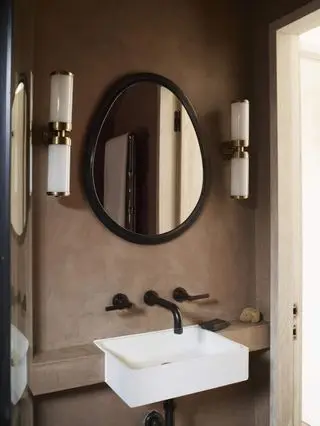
(97, 121)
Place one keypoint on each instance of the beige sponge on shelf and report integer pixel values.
(250, 315)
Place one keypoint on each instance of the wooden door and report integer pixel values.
(286, 242)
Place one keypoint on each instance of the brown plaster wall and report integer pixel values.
(203, 47)
(230, 406)
(80, 264)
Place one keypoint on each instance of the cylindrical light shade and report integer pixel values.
(240, 122)
(240, 175)
(59, 169)
(61, 97)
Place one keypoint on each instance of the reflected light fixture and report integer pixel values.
(60, 126)
(236, 150)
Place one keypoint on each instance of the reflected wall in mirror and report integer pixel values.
(19, 152)
(144, 166)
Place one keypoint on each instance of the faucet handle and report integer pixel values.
(120, 301)
(181, 295)
(150, 297)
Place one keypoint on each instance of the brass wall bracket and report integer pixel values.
(58, 133)
(231, 149)
(59, 139)
(58, 194)
(60, 126)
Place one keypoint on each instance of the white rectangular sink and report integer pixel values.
(150, 367)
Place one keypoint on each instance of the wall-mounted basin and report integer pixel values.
(150, 367)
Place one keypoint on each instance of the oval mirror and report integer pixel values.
(144, 165)
(19, 160)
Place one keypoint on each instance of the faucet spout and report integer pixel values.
(151, 298)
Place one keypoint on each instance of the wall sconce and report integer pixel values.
(60, 126)
(236, 150)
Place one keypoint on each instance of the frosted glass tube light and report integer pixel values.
(59, 157)
(240, 122)
(240, 176)
(61, 96)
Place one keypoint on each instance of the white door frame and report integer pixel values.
(285, 210)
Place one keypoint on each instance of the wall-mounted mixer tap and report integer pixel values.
(151, 298)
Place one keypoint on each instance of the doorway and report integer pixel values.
(295, 142)
(309, 46)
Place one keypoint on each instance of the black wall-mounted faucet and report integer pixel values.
(120, 301)
(181, 295)
(151, 298)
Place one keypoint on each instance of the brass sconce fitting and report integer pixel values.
(59, 135)
(234, 149)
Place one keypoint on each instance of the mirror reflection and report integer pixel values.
(19, 160)
(148, 168)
